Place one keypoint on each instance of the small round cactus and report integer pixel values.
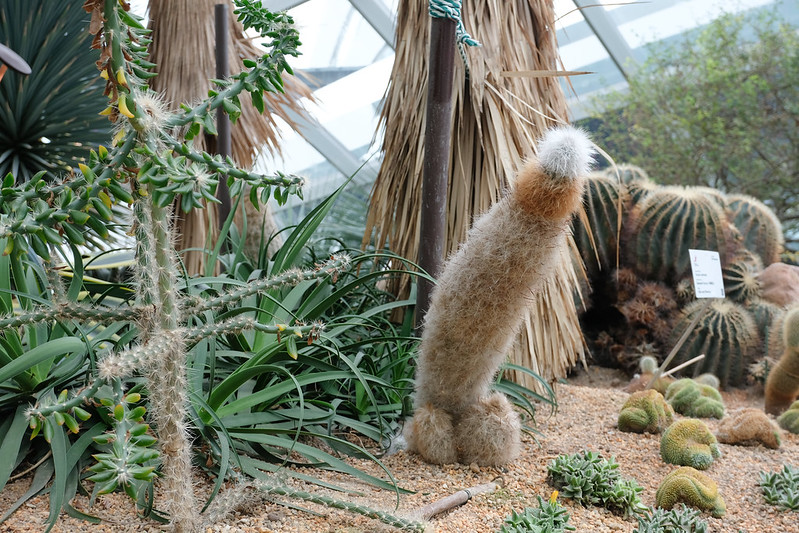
(691, 398)
(740, 277)
(645, 411)
(782, 385)
(689, 442)
(693, 488)
(789, 420)
(748, 427)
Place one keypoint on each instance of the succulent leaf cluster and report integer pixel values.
(678, 519)
(548, 517)
(781, 488)
(590, 479)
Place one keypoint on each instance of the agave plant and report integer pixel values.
(49, 118)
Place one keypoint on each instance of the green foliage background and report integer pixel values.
(718, 108)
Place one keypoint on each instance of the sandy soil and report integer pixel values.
(586, 420)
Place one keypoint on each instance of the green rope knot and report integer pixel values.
(451, 9)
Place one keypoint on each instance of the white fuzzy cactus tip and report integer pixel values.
(566, 152)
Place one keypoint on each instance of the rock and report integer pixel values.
(780, 284)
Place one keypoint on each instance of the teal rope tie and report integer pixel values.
(451, 9)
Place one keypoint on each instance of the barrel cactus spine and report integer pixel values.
(740, 277)
(726, 333)
(667, 223)
(596, 230)
(759, 227)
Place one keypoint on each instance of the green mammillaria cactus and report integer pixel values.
(645, 411)
(667, 223)
(740, 277)
(726, 333)
(689, 442)
(789, 420)
(597, 233)
(759, 227)
(690, 398)
(748, 427)
(782, 385)
(693, 488)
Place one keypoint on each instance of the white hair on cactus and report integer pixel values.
(566, 152)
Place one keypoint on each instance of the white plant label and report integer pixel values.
(706, 270)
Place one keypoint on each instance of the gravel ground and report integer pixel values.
(586, 420)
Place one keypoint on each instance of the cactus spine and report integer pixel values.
(693, 488)
(782, 385)
(596, 231)
(480, 302)
(759, 227)
(669, 221)
(726, 334)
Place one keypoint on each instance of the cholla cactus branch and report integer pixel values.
(387, 518)
(73, 312)
(239, 324)
(142, 357)
(336, 264)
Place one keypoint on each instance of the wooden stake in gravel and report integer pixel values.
(459, 498)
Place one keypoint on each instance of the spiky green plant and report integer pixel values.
(789, 420)
(635, 179)
(691, 398)
(645, 411)
(548, 517)
(667, 223)
(758, 225)
(726, 333)
(597, 229)
(49, 119)
(740, 277)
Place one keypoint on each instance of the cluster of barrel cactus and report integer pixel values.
(634, 239)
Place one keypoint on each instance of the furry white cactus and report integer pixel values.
(480, 302)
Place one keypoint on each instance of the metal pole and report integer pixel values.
(437, 136)
(223, 143)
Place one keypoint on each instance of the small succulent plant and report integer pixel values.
(549, 517)
(691, 487)
(645, 412)
(680, 519)
(781, 488)
(748, 427)
(689, 442)
(589, 479)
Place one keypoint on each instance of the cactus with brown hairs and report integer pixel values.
(689, 442)
(747, 427)
(759, 227)
(693, 488)
(782, 385)
(480, 302)
(726, 333)
(789, 420)
(667, 223)
(645, 412)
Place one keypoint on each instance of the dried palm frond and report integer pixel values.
(183, 49)
(499, 110)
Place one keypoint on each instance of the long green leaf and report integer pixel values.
(11, 443)
(43, 352)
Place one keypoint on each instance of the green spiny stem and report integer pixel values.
(336, 264)
(75, 312)
(239, 324)
(61, 407)
(386, 518)
(140, 358)
(215, 164)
